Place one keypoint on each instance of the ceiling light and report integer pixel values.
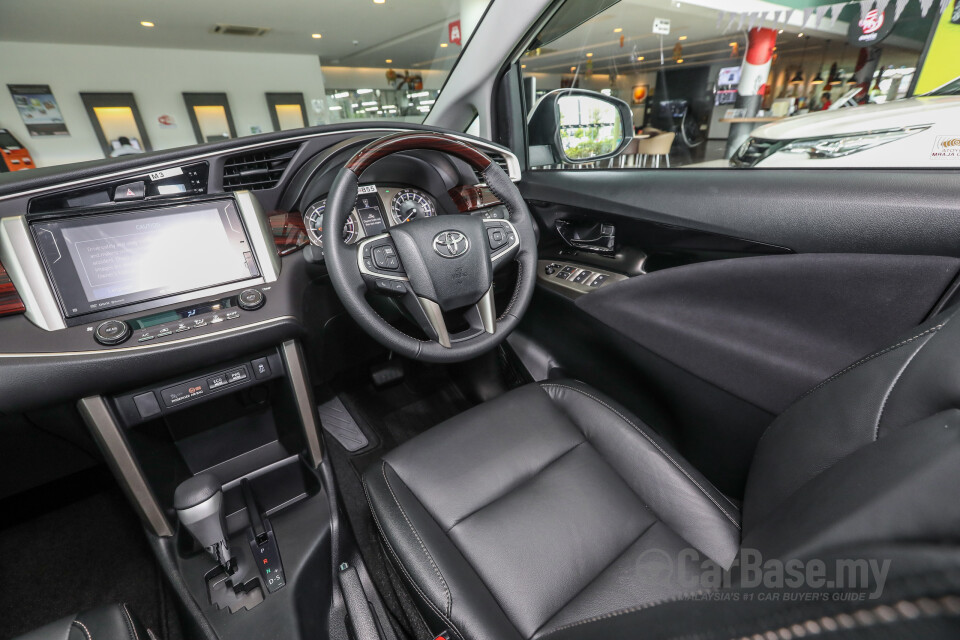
(618, 30)
(427, 101)
(379, 1)
(781, 31)
(336, 108)
(680, 61)
(371, 108)
(316, 36)
(589, 55)
(388, 61)
(360, 92)
(146, 23)
(573, 68)
(367, 104)
(523, 66)
(444, 45)
(797, 78)
(354, 105)
(733, 44)
(800, 35)
(640, 58)
(682, 38)
(341, 95)
(419, 94)
(818, 79)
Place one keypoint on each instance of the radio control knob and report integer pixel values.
(250, 299)
(112, 332)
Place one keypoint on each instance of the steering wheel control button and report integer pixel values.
(261, 368)
(130, 191)
(147, 405)
(496, 237)
(390, 286)
(112, 332)
(251, 299)
(385, 257)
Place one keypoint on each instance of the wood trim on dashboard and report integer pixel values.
(10, 302)
(409, 141)
(289, 231)
(472, 197)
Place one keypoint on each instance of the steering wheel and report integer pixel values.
(439, 268)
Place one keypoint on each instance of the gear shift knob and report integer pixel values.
(199, 505)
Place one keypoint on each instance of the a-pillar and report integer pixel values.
(470, 13)
(753, 83)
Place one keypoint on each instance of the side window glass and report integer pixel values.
(865, 85)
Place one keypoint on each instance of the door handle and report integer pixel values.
(588, 236)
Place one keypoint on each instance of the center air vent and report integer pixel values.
(499, 159)
(257, 169)
(239, 30)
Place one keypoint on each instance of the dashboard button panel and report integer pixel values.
(112, 332)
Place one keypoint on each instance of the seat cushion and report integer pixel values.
(112, 622)
(548, 505)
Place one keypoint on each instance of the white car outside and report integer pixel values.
(916, 132)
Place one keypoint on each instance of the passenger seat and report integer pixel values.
(112, 622)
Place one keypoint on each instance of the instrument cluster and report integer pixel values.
(376, 209)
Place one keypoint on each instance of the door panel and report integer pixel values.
(757, 285)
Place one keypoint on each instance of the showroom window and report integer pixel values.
(745, 84)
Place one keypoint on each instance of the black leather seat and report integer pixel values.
(113, 622)
(552, 505)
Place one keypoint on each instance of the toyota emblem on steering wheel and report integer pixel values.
(450, 244)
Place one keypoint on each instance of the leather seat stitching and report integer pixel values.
(83, 628)
(515, 487)
(629, 546)
(876, 354)
(886, 397)
(402, 567)
(131, 627)
(516, 292)
(658, 447)
(436, 569)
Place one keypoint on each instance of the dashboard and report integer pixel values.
(117, 273)
(377, 208)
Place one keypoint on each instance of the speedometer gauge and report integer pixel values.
(313, 219)
(409, 204)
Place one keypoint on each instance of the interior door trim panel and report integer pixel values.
(768, 328)
(914, 212)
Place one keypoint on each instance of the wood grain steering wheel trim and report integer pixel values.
(408, 141)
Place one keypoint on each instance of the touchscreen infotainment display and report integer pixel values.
(102, 261)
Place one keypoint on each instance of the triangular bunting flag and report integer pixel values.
(787, 15)
(733, 18)
(751, 20)
(835, 11)
(898, 11)
(720, 17)
(807, 12)
(925, 7)
(743, 15)
(943, 5)
(882, 5)
(819, 12)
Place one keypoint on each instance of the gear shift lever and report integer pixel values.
(199, 505)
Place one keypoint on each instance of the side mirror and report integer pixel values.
(575, 126)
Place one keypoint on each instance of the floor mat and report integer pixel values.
(79, 556)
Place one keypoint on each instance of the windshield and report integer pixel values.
(949, 89)
(112, 78)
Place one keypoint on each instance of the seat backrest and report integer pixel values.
(658, 145)
(826, 459)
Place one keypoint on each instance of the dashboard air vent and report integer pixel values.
(499, 159)
(258, 169)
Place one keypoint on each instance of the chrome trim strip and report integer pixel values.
(19, 256)
(70, 354)
(488, 311)
(435, 316)
(126, 469)
(513, 162)
(261, 235)
(363, 267)
(303, 396)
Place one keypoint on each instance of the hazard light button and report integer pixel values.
(130, 191)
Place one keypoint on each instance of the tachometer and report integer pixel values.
(410, 204)
(313, 219)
